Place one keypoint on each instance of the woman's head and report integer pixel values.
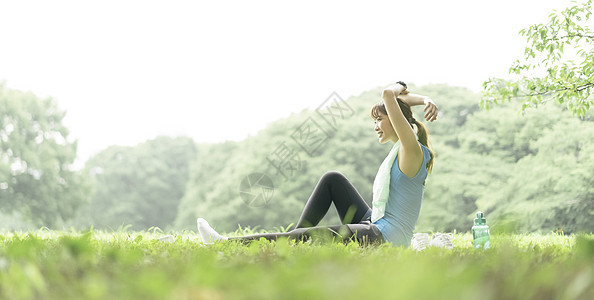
(380, 109)
(383, 126)
(386, 131)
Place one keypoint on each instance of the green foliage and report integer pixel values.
(531, 173)
(140, 185)
(36, 176)
(136, 265)
(558, 64)
(553, 187)
(203, 181)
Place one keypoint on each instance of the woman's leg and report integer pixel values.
(300, 233)
(335, 188)
(363, 233)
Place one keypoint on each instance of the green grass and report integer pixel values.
(136, 265)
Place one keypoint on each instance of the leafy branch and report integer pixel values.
(570, 36)
(546, 71)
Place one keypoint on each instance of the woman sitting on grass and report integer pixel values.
(397, 189)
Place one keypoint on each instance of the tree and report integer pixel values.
(139, 186)
(36, 156)
(553, 187)
(558, 64)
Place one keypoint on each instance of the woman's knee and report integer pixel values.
(333, 175)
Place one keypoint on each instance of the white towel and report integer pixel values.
(381, 185)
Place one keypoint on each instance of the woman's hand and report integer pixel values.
(430, 110)
(414, 100)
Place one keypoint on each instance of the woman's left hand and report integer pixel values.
(430, 110)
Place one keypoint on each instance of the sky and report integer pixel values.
(128, 71)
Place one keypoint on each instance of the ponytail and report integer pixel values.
(423, 135)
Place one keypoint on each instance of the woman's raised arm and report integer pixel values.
(410, 155)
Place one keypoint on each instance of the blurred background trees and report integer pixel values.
(37, 181)
(139, 186)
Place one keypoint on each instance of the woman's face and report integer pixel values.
(384, 129)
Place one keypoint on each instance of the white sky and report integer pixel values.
(128, 71)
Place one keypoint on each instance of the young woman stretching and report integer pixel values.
(397, 189)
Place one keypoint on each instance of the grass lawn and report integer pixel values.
(136, 265)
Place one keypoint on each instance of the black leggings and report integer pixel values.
(354, 214)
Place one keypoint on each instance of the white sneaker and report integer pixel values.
(419, 241)
(208, 235)
(442, 240)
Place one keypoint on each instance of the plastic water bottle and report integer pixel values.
(480, 232)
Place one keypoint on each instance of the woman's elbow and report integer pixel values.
(387, 93)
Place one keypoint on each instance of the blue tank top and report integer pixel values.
(404, 203)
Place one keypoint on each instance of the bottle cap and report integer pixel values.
(480, 220)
